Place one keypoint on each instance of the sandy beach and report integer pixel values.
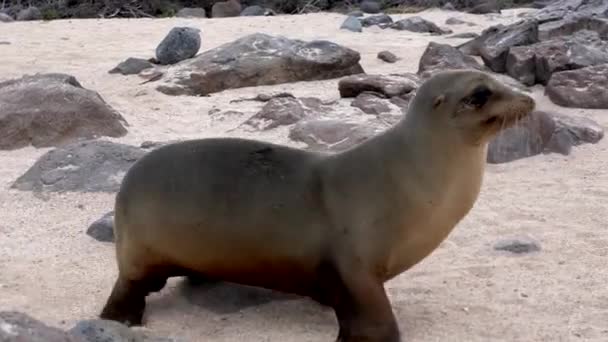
(464, 291)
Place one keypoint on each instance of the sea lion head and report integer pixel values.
(473, 102)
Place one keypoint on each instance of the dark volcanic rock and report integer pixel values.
(53, 109)
(381, 20)
(352, 24)
(559, 9)
(282, 111)
(20, 327)
(332, 135)
(388, 85)
(371, 104)
(180, 43)
(260, 59)
(131, 66)
(439, 57)
(473, 46)
(571, 24)
(88, 166)
(387, 56)
(464, 35)
(495, 48)
(417, 24)
(580, 88)
(369, 6)
(103, 229)
(536, 63)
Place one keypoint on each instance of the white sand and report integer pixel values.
(464, 291)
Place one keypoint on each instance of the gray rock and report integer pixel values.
(103, 229)
(5, 18)
(387, 85)
(438, 57)
(473, 46)
(371, 104)
(252, 11)
(381, 20)
(495, 48)
(45, 110)
(88, 166)
(418, 24)
(560, 9)
(331, 135)
(387, 56)
(537, 62)
(224, 9)
(259, 59)
(580, 88)
(30, 13)
(571, 24)
(369, 6)
(131, 66)
(352, 24)
(355, 14)
(191, 12)
(181, 43)
(283, 111)
(464, 35)
(488, 6)
(98, 330)
(20, 327)
(456, 21)
(518, 246)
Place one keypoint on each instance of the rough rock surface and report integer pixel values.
(331, 134)
(131, 66)
(387, 56)
(418, 24)
(473, 46)
(571, 24)
(438, 57)
(103, 228)
(537, 62)
(282, 111)
(45, 110)
(371, 103)
(98, 330)
(389, 85)
(180, 43)
(352, 24)
(259, 59)
(381, 20)
(19, 327)
(543, 132)
(191, 12)
(495, 48)
(580, 88)
(560, 9)
(88, 166)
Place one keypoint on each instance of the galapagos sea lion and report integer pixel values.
(333, 227)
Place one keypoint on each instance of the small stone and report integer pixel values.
(180, 43)
(103, 229)
(352, 24)
(387, 56)
(517, 246)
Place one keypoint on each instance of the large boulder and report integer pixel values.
(537, 62)
(543, 132)
(418, 24)
(495, 48)
(259, 59)
(88, 166)
(45, 110)
(388, 85)
(571, 24)
(580, 88)
(180, 43)
(560, 9)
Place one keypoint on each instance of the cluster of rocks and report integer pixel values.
(355, 23)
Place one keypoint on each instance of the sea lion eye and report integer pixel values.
(479, 96)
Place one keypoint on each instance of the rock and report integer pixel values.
(191, 12)
(355, 14)
(537, 62)
(252, 11)
(517, 246)
(489, 6)
(5, 18)
(473, 46)
(45, 110)
(371, 7)
(381, 20)
(180, 44)
(559, 9)
(283, 111)
(331, 134)
(417, 24)
(464, 35)
(580, 88)
(456, 21)
(98, 330)
(88, 166)
(495, 48)
(571, 24)
(223, 9)
(20, 327)
(448, 7)
(5, 43)
(387, 56)
(260, 59)
(438, 57)
(131, 66)
(103, 229)
(388, 85)
(371, 104)
(30, 13)
(352, 24)
(542, 132)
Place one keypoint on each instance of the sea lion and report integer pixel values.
(333, 227)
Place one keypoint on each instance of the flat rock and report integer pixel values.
(259, 59)
(521, 245)
(20, 327)
(45, 110)
(102, 229)
(131, 66)
(5, 18)
(537, 62)
(326, 135)
(352, 24)
(88, 166)
(418, 24)
(580, 88)
(381, 20)
(30, 13)
(387, 56)
(283, 111)
(370, 103)
(495, 48)
(388, 85)
(543, 132)
(191, 12)
(369, 6)
(181, 43)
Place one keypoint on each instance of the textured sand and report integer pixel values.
(465, 291)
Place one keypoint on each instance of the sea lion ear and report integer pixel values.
(438, 100)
